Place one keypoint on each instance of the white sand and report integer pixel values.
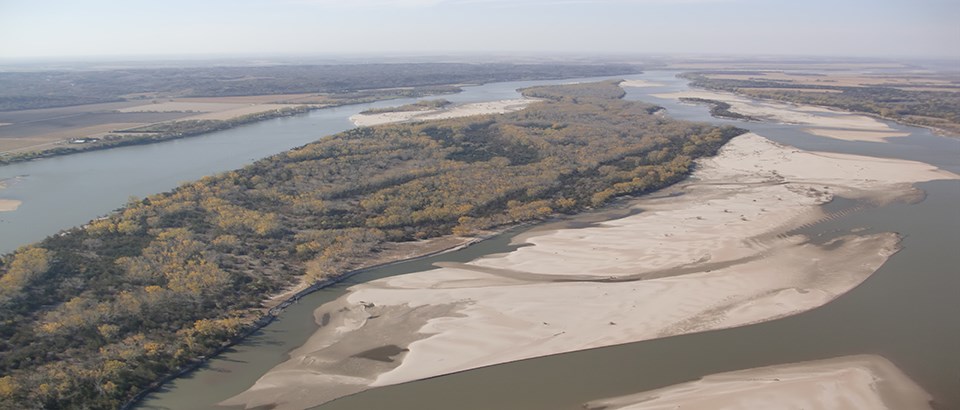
(824, 121)
(851, 382)
(7, 205)
(719, 256)
(465, 110)
(639, 83)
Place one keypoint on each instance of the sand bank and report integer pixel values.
(851, 382)
(7, 205)
(465, 110)
(821, 121)
(855, 135)
(724, 253)
(639, 83)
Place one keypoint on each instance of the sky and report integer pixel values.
(131, 28)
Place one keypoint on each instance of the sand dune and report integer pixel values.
(722, 254)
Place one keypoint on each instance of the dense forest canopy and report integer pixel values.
(92, 316)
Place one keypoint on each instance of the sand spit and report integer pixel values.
(7, 205)
(823, 122)
(725, 253)
(465, 110)
(851, 382)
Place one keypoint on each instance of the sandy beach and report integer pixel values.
(851, 382)
(465, 110)
(821, 121)
(722, 253)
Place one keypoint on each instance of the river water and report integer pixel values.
(906, 311)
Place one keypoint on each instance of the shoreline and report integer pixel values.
(62, 150)
(513, 306)
(274, 305)
(455, 111)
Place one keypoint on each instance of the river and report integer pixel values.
(62, 192)
(905, 311)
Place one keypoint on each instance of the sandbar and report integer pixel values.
(239, 112)
(856, 135)
(183, 106)
(639, 83)
(849, 382)
(824, 120)
(465, 110)
(724, 252)
(8, 205)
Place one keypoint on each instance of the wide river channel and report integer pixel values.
(906, 312)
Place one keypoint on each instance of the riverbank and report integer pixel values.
(855, 382)
(721, 254)
(465, 110)
(146, 135)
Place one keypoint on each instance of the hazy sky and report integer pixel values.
(69, 28)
